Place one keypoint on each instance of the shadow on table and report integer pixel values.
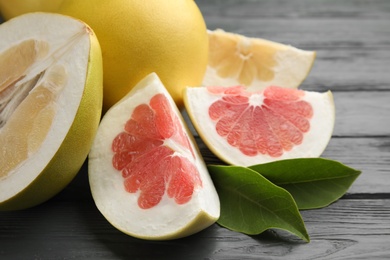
(69, 226)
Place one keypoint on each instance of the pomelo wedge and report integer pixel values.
(50, 105)
(146, 174)
(247, 128)
(256, 63)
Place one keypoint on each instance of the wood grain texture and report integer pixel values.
(74, 229)
(352, 41)
(369, 155)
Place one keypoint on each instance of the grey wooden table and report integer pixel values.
(352, 40)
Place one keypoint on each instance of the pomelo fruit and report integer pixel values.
(146, 174)
(256, 63)
(50, 105)
(12, 8)
(141, 37)
(251, 127)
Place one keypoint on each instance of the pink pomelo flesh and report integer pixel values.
(148, 163)
(269, 122)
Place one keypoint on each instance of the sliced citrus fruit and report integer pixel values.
(146, 174)
(256, 63)
(50, 105)
(247, 128)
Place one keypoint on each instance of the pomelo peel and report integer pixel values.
(152, 36)
(11, 9)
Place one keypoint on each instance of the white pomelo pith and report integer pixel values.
(146, 174)
(247, 128)
(50, 105)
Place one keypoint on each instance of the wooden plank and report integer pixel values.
(348, 229)
(369, 155)
(362, 113)
(296, 9)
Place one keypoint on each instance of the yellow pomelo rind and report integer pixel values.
(199, 223)
(141, 37)
(12, 8)
(115, 203)
(256, 63)
(69, 158)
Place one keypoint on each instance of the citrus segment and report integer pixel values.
(25, 134)
(281, 117)
(247, 128)
(154, 164)
(256, 63)
(146, 175)
(50, 105)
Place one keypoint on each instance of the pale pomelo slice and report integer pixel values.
(247, 128)
(50, 105)
(146, 174)
(256, 63)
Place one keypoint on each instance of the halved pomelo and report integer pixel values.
(256, 63)
(247, 128)
(50, 105)
(145, 171)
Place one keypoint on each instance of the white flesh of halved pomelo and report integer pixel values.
(248, 128)
(146, 174)
(50, 105)
(235, 59)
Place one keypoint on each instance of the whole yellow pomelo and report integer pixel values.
(12, 8)
(140, 37)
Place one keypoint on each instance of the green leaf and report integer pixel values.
(313, 182)
(251, 204)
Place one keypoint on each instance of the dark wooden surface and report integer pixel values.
(352, 40)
